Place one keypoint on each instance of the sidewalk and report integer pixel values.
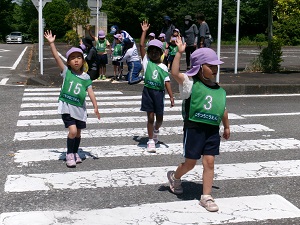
(240, 83)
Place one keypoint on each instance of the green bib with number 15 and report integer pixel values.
(74, 89)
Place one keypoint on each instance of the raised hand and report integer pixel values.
(181, 46)
(145, 26)
(48, 35)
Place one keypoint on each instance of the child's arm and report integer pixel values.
(90, 33)
(179, 77)
(145, 26)
(93, 99)
(225, 121)
(51, 38)
(169, 90)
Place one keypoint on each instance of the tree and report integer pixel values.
(6, 17)
(77, 17)
(54, 14)
(287, 21)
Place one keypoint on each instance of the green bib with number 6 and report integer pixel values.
(74, 89)
(207, 105)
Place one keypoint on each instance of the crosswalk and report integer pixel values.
(119, 182)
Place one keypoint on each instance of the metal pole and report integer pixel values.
(41, 36)
(97, 28)
(237, 36)
(219, 38)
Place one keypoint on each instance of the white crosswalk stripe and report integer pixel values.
(39, 123)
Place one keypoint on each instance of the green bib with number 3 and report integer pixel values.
(74, 89)
(207, 105)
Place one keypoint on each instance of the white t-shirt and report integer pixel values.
(131, 55)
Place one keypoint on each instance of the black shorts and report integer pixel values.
(102, 59)
(153, 101)
(68, 121)
(197, 142)
(117, 63)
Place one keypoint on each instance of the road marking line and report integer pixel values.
(91, 111)
(266, 95)
(145, 176)
(19, 59)
(126, 132)
(102, 98)
(241, 209)
(271, 114)
(88, 103)
(26, 156)
(4, 81)
(57, 93)
(105, 120)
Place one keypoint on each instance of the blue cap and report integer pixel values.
(167, 18)
(113, 29)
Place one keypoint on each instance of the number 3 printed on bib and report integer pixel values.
(208, 104)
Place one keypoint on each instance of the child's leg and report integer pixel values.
(150, 123)
(158, 122)
(115, 70)
(71, 138)
(185, 167)
(104, 70)
(208, 162)
(77, 141)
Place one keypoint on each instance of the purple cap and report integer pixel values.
(101, 34)
(156, 43)
(162, 35)
(176, 30)
(118, 36)
(72, 50)
(152, 35)
(173, 38)
(202, 56)
(82, 46)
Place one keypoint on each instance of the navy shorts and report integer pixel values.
(153, 101)
(197, 142)
(102, 59)
(68, 121)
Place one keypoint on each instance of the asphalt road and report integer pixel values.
(257, 173)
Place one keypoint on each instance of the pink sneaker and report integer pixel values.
(151, 146)
(209, 204)
(70, 160)
(78, 159)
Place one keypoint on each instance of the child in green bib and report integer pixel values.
(156, 81)
(204, 109)
(72, 104)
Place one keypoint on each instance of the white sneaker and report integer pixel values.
(151, 146)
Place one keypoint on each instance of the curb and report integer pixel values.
(248, 89)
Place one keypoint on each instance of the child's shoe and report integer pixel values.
(208, 203)
(175, 184)
(70, 160)
(100, 77)
(103, 77)
(151, 146)
(77, 158)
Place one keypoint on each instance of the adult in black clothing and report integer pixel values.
(190, 34)
(168, 28)
(90, 56)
